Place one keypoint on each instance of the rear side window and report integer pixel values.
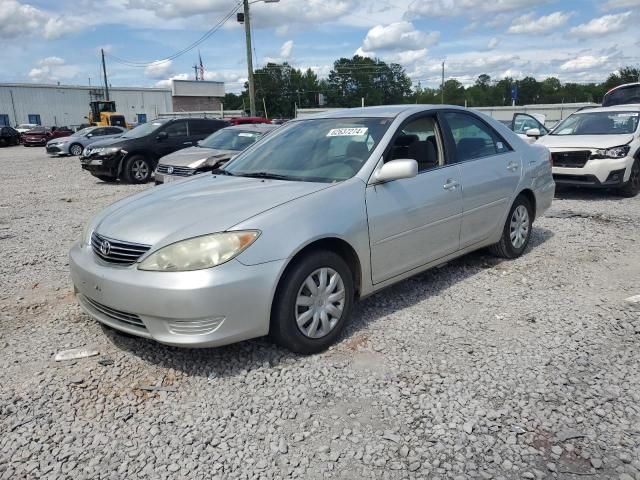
(473, 138)
(622, 96)
(205, 127)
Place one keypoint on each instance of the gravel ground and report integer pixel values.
(480, 369)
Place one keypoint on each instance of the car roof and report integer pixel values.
(626, 107)
(384, 111)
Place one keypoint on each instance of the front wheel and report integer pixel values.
(632, 187)
(517, 230)
(137, 169)
(75, 149)
(313, 303)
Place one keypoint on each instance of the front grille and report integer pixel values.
(117, 251)
(174, 170)
(575, 159)
(117, 315)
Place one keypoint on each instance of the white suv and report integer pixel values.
(599, 147)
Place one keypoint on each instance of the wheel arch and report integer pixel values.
(531, 197)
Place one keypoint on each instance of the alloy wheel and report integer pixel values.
(76, 150)
(320, 303)
(140, 170)
(519, 226)
(635, 175)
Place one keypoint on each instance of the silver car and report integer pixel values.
(76, 143)
(211, 153)
(321, 212)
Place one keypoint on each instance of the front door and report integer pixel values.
(415, 221)
(490, 170)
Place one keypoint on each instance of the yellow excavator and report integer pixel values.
(103, 114)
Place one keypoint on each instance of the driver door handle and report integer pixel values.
(513, 166)
(451, 184)
(187, 143)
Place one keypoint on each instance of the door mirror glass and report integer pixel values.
(162, 136)
(397, 169)
(533, 132)
(89, 135)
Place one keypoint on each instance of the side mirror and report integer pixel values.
(199, 142)
(533, 132)
(89, 135)
(162, 136)
(397, 169)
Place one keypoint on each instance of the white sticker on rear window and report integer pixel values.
(627, 115)
(247, 134)
(347, 132)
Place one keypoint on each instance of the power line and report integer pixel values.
(209, 33)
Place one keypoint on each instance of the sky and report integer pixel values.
(45, 41)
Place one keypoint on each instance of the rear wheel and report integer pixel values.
(137, 169)
(75, 149)
(632, 187)
(313, 303)
(517, 230)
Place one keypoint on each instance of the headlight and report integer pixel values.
(106, 150)
(200, 252)
(615, 152)
(85, 240)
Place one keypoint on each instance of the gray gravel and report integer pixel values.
(480, 369)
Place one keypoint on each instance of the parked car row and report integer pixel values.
(286, 236)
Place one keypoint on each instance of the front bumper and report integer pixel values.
(56, 150)
(35, 141)
(601, 173)
(101, 165)
(205, 308)
(160, 178)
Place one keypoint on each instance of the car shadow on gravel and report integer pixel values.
(588, 194)
(245, 356)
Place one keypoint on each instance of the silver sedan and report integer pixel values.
(76, 143)
(320, 213)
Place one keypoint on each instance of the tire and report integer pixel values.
(632, 187)
(513, 244)
(137, 169)
(292, 305)
(106, 178)
(75, 149)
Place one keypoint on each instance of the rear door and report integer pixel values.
(415, 221)
(199, 128)
(490, 171)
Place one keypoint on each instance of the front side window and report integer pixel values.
(473, 138)
(177, 129)
(230, 139)
(419, 140)
(144, 129)
(599, 123)
(320, 150)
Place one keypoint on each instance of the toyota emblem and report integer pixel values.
(170, 170)
(105, 248)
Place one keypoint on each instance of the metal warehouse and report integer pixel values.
(68, 105)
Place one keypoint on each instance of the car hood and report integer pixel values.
(60, 139)
(584, 141)
(110, 141)
(197, 206)
(195, 157)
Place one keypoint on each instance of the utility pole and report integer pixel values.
(442, 85)
(104, 71)
(195, 69)
(247, 33)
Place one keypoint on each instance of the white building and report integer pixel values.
(68, 105)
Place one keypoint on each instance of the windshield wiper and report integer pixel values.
(273, 176)
(220, 171)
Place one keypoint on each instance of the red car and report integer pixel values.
(39, 136)
(245, 120)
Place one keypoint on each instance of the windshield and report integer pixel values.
(230, 139)
(599, 123)
(322, 150)
(143, 130)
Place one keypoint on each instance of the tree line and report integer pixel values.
(280, 88)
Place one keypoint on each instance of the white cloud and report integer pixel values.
(363, 53)
(622, 4)
(398, 36)
(53, 69)
(529, 24)
(407, 57)
(493, 43)
(18, 20)
(158, 70)
(584, 62)
(285, 50)
(602, 26)
(449, 8)
(166, 83)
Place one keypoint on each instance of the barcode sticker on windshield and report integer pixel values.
(348, 132)
(247, 134)
(627, 114)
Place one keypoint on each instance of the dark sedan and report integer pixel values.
(9, 136)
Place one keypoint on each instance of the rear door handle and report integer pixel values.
(188, 143)
(513, 166)
(450, 185)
